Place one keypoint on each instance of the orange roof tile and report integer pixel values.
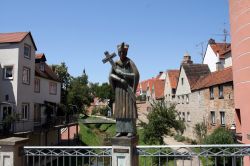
(47, 73)
(159, 88)
(215, 78)
(173, 77)
(221, 48)
(15, 37)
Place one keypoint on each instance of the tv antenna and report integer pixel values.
(201, 45)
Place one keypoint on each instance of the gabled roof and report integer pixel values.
(173, 77)
(15, 37)
(221, 48)
(159, 88)
(47, 73)
(215, 78)
(40, 57)
(194, 72)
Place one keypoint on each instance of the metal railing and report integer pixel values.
(67, 155)
(177, 155)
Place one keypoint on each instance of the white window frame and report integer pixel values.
(211, 92)
(26, 76)
(5, 72)
(187, 99)
(37, 85)
(220, 89)
(212, 114)
(222, 118)
(25, 111)
(29, 51)
(188, 117)
(184, 116)
(42, 66)
(52, 88)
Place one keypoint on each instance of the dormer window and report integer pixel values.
(42, 66)
(27, 51)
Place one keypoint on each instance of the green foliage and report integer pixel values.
(161, 120)
(65, 78)
(220, 136)
(101, 111)
(200, 131)
(79, 92)
(103, 91)
(179, 138)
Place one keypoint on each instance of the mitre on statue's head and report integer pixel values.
(123, 47)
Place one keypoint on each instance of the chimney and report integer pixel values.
(187, 59)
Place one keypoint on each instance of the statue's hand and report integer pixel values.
(118, 71)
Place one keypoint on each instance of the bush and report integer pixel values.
(220, 136)
(200, 131)
(101, 111)
(179, 138)
(161, 120)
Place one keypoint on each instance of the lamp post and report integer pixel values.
(233, 131)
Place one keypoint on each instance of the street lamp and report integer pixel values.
(233, 131)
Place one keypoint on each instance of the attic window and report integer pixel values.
(182, 81)
(27, 51)
(42, 66)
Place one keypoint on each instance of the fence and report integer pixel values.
(148, 155)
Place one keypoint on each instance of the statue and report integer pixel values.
(124, 79)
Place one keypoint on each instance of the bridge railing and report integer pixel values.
(148, 155)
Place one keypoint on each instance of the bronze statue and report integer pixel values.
(124, 79)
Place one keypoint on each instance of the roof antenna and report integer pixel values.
(201, 53)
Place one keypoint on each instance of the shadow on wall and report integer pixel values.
(7, 101)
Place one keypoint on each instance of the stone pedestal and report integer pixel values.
(124, 151)
(11, 151)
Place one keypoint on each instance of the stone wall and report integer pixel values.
(199, 107)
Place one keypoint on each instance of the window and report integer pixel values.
(178, 99)
(182, 81)
(26, 75)
(211, 91)
(37, 85)
(8, 72)
(183, 116)
(42, 66)
(7, 110)
(221, 92)
(187, 99)
(27, 51)
(25, 111)
(182, 99)
(52, 88)
(222, 118)
(212, 117)
(188, 117)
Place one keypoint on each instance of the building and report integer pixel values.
(30, 91)
(172, 77)
(239, 22)
(187, 102)
(204, 96)
(217, 55)
(215, 96)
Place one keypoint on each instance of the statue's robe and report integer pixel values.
(125, 110)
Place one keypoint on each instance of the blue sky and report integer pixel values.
(77, 32)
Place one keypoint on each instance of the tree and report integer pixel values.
(103, 91)
(161, 120)
(79, 93)
(63, 75)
